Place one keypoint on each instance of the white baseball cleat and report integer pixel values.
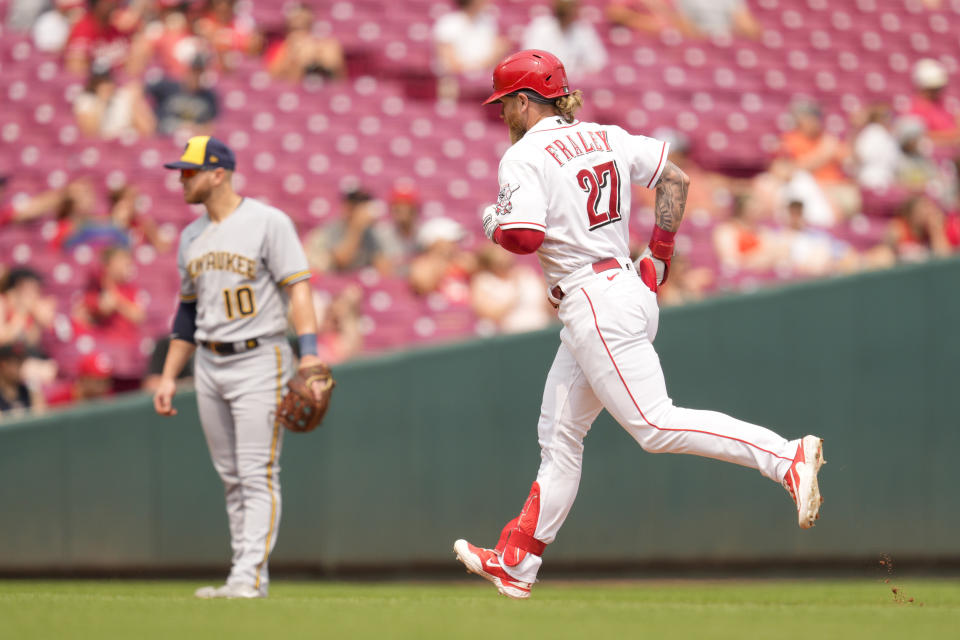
(801, 480)
(486, 564)
(241, 591)
(207, 592)
(229, 591)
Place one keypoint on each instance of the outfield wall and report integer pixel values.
(421, 448)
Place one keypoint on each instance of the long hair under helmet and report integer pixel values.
(534, 69)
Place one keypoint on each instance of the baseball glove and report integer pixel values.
(299, 410)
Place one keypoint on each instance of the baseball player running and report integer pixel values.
(565, 193)
(239, 264)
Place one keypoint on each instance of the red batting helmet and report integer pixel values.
(532, 69)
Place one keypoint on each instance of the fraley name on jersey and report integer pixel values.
(222, 261)
(595, 141)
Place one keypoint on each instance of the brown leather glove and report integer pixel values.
(300, 410)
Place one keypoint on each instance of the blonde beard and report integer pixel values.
(516, 133)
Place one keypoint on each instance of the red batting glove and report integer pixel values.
(648, 273)
(654, 263)
(661, 248)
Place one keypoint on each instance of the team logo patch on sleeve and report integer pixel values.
(504, 206)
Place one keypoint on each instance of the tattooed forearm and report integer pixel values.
(671, 197)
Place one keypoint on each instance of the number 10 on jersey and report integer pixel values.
(239, 301)
(594, 182)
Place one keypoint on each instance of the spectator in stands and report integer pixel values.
(917, 171)
(93, 381)
(919, 230)
(811, 149)
(22, 13)
(27, 318)
(686, 284)
(692, 18)
(717, 18)
(644, 16)
(349, 243)
(28, 208)
(301, 53)
(572, 40)
(398, 236)
(230, 33)
(442, 266)
(99, 35)
(111, 306)
(155, 366)
(122, 228)
(25, 311)
(943, 125)
(810, 251)
(467, 40)
(139, 228)
(877, 151)
(169, 37)
(188, 106)
(72, 206)
(709, 190)
(508, 294)
(75, 209)
(339, 337)
(15, 396)
(952, 223)
(106, 111)
(741, 243)
(94, 377)
(52, 28)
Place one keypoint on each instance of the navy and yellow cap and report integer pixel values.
(205, 152)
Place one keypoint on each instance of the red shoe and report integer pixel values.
(486, 563)
(801, 480)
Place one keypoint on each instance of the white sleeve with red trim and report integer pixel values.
(522, 201)
(645, 156)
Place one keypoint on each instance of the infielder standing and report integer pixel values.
(565, 193)
(239, 264)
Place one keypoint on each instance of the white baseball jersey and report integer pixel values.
(236, 270)
(572, 181)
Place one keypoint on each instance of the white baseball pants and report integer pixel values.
(606, 360)
(237, 397)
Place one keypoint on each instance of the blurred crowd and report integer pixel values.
(884, 192)
(150, 66)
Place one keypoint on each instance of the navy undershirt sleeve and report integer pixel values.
(185, 322)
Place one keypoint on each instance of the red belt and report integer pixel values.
(598, 267)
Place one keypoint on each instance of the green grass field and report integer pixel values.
(812, 609)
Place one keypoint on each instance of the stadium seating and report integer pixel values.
(300, 145)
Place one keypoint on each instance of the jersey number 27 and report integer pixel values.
(602, 177)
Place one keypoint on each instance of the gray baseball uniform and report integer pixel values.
(236, 270)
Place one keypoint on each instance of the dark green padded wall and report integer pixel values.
(423, 447)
